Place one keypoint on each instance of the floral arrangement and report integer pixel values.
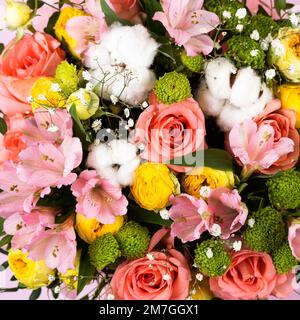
(149, 149)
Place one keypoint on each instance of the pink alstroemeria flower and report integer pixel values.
(186, 212)
(26, 226)
(17, 195)
(98, 198)
(56, 246)
(47, 126)
(49, 165)
(226, 212)
(188, 24)
(254, 146)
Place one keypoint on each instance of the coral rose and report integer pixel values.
(284, 285)
(251, 275)
(158, 276)
(283, 122)
(33, 56)
(171, 131)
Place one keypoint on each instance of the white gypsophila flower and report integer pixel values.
(292, 68)
(30, 99)
(294, 18)
(278, 47)
(226, 14)
(110, 296)
(237, 245)
(115, 160)
(205, 191)
(166, 277)
(86, 75)
(89, 86)
(231, 102)
(120, 64)
(96, 125)
(145, 105)
(270, 74)
(241, 13)
(240, 27)
(254, 53)
(265, 43)
(216, 230)
(113, 99)
(150, 256)
(42, 97)
(251, 222)
(55, 87)
(130, 123)
(127, 112)
(209, 253)
(199, 277)
(254, 35)
(164, 214)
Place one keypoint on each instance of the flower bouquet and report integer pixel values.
(149, 149)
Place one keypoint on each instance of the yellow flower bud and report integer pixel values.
(66, 14)
(290, 99)
(153, 185)
(70, 278)
(46, 93)
(33, 274)
(90, 229)
(86, 103)
(17, 14)
(205, 176)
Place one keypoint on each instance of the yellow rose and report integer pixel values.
(205, 176)
(86, 103)
(17, 14)
(285, 53)
(47, 93)
(290, 99)
(66, 14)
(153, 185)
(70, 278)
(90, 229)
(33, 274)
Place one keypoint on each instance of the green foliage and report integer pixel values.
(264, 25)
(283, 258)
(67, 78)
(3, 126)
(86, 271)
(110, 15)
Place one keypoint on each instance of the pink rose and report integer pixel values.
(33, 56)
(170, 131)
(283, 123)
(251, 275)
(14, 144)
(294, 238)
(165, 277)
(284, 285)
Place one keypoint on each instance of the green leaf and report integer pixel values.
(51, 22)
(242, 187)
(110, 15)
(86, 271)
(1, 47)
(4, 266)
(21, 286)
(145, 216)
(35, 294)
(32, 3)
(280, 5)
(150, 7)
(3, 126)
(62, 197)
(262, 11)
(78, 128)
(5, 240)
(1, 224)
(213, 158)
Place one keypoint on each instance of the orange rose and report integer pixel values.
(30, 58)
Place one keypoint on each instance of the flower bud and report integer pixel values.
(17, 14)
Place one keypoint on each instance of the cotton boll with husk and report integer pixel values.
(218, 73)
(209, 104)
(231, 115)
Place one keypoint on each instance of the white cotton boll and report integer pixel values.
(126, 172)
(246, 87)
(122, 151)
(258, 107)
(217, 74)
(231, 116)
(95, 56)
(209, 104)
(99, 157)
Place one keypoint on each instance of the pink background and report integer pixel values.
(5, 36)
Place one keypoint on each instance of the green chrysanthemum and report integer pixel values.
(133, 240)
(226, 10)
(104, 251)
(246, 52)
(284, 190)
(263, 25)
(172, 87)
(266, 230)
(67, 78)
(283, 258)
(194, 64)
(212, 258)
